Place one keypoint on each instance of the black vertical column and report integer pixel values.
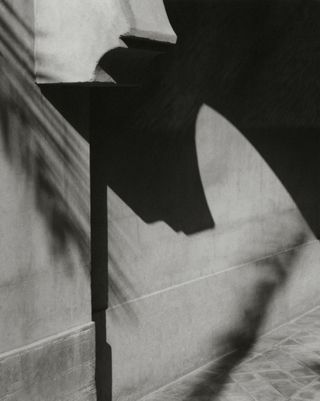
(99, 252)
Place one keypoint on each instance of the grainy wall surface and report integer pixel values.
(179, 297)
(213, 204)
(184, 288)
(46, 335)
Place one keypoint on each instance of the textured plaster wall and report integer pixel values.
(44, 205)
(178, 297)
(174, 298)
(46, 334)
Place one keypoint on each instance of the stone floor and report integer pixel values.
(284, 365)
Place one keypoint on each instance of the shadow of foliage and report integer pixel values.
(238, 343)
(41, 146)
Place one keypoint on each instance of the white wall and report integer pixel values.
(46, 334)
(44, 203)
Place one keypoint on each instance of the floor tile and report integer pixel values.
(284, 365)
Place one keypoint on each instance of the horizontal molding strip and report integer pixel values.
(188, 282)
(49, 339)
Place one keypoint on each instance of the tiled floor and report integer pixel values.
(284, 365)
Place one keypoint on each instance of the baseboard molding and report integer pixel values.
(59, 367)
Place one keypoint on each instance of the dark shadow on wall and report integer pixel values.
(145, 160)
(73, 101)
(156, 176)
(256, 63)
(237, 57)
